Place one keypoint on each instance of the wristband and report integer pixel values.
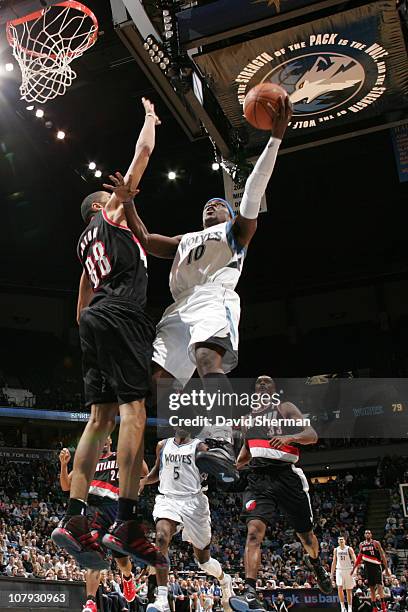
(151, 115)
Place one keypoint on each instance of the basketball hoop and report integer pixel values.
(46, 42)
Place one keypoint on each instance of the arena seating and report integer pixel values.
(31, 504)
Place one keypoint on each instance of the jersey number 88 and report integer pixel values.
(98, 265)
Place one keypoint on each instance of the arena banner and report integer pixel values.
(54, 415)
(223, 15)
(26, 454)
(400, 144)
(337, 70)
(305, 598)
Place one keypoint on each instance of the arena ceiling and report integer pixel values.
(336, 212)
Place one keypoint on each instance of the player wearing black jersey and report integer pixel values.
(273, 481)
(101, 512)
(116, 339)
(371, 553)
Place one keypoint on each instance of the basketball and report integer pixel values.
(256, 109)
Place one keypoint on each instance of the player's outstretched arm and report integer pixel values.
(153, 476)
(154, 244)
(144, 148)
(65, 478)
(85, 294)
(383, 557)
(246, 221)
(333, 565)
(307, 436)
(357, 562)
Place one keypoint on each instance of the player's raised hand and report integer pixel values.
(282, 114)
(149, 108)
(279, 441)
(121, 188)
(64, 456)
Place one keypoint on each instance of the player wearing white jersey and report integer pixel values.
(200, 329)
(341, 569)
(182, 505)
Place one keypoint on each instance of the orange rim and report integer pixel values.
(32, 16)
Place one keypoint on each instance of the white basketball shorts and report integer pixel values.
(343, 579)
(209, 313)
(192, 514)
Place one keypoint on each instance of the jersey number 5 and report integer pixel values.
(98, 265)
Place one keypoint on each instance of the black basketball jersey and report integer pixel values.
(369, 552)
(114, 261)
(265, 425)
(105, 483)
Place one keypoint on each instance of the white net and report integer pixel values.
(45, 44)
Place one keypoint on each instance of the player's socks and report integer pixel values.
(161, 603)
(127, 509)
(75, 507)
(162, 592)
(227, 592)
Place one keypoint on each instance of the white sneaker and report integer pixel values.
(227, 592)
(160, 604)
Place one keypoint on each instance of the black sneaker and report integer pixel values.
(218, 460)
(75, 536)
(129, 538)
(246, 601)
(322, 577)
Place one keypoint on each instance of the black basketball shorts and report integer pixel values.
(116, 342)
(373, 573)
(100, 518)
(282, 487)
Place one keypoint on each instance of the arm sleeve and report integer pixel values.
(258, 180)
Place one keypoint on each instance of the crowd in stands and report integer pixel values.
(31, 504)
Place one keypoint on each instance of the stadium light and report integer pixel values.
(98, 173)
(39, 113)
(60, 135)
(9, 67)
(92, 166)
(215, 166)
(171, 175)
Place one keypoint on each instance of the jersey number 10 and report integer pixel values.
(196, 253)
(98, 265)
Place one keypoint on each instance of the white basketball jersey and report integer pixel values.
(344, 561)
(179, 475)
(210, 256)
